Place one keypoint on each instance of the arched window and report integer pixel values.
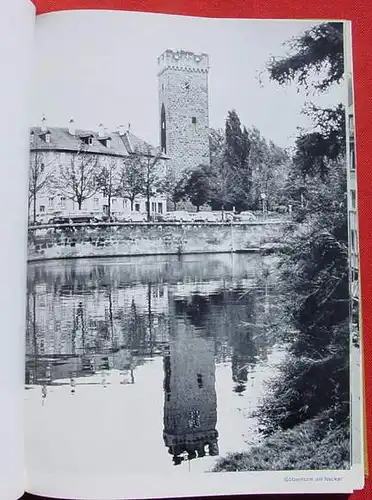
(163, 130)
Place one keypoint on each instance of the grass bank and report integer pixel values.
(308, 446)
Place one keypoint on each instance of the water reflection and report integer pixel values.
(95, 323)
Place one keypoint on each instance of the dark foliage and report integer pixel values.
(318, 52)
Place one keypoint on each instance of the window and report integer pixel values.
(42, 209)
(160, 208)
(113, 202)
(153, 207)
(47, 138)
(42, 168)
(162, 86)
(194, 419)
(108, 143)
(193, 119)
(90, 141)
(200, 380)
(351, 123)
(95, 202)
(147, 206)
(163, 127)
(63, 202)
(352, 157)
(50, 202)
(354, 240)
(353, 199)
(137, 207)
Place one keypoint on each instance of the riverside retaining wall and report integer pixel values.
(107, 240)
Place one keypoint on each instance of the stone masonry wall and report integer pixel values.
(183, 90)
(104, 240)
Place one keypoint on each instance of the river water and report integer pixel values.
(146, 364)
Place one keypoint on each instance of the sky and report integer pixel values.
(101, 67)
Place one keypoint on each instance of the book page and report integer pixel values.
(192, 289)
(16, 36)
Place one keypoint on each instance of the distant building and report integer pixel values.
(52, 147)
(183, 109)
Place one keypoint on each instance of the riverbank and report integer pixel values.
(114, 240)
(305, 447)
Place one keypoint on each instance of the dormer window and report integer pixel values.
(32, 137)
(45, 136)
(87, 139)
(105, 141)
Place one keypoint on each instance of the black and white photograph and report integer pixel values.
(192, 283)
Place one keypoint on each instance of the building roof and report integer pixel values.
(60, 139)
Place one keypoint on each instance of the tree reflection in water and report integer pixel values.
(89, 319)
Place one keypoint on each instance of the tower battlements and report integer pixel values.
(183, 60)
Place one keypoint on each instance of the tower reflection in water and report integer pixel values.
(190, 406)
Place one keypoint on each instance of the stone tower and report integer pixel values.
(183, 109)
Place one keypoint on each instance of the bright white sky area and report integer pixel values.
(101, 67)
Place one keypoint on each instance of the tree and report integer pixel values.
(270, 166)
(224, 179)
(237, 157)
(152, 176)
(78, 179)
(318, 52)
(327, 142)
(40, 176)
(174, 187)
(108, 179)
(314, 379)
(198, 186)
(131, 179)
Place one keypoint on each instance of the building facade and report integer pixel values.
(58, 151)
(183, 109)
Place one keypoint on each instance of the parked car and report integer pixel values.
(133, 217)
(245, 216)
(40, 219)
(74, 219)
(177, 216)
(205, 217)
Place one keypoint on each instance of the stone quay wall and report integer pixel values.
(129, 239)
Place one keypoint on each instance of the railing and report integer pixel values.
(149, 224)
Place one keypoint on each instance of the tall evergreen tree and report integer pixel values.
(237, 158)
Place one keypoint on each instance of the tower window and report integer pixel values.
(163, 129)
(200, 380)
(193, 120)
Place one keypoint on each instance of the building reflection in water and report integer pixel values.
(190, 406)
(89, 322)
(190, 401)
